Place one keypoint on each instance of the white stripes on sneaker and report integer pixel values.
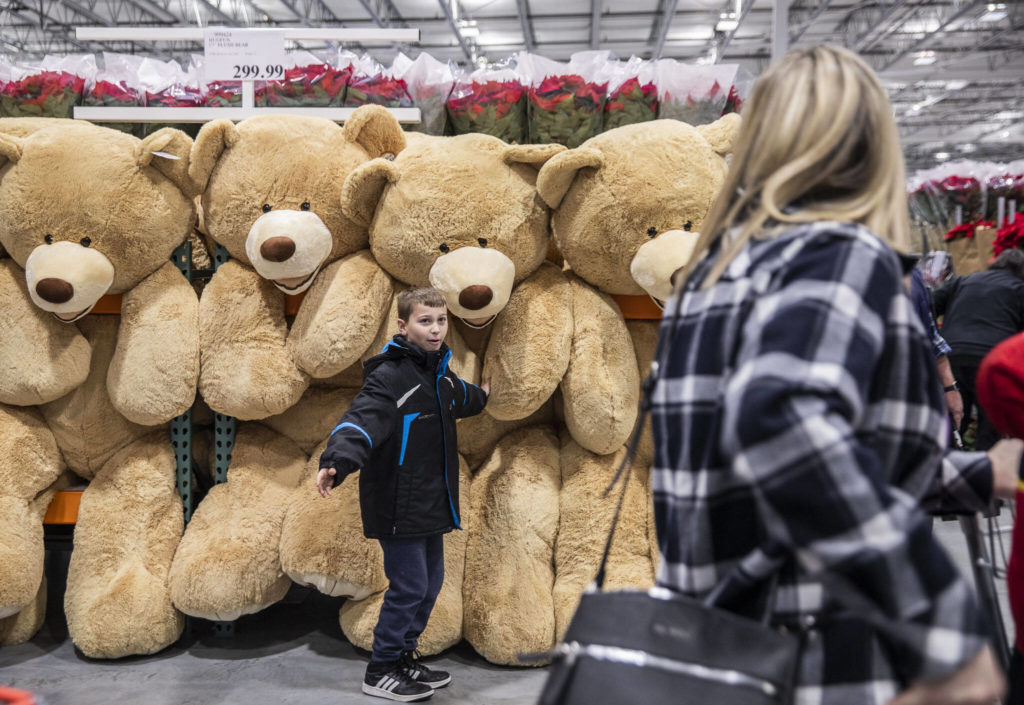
(387, 683)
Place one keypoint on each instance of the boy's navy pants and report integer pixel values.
(415, 570)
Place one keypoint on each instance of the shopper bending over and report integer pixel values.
(981, 310)
(400, 430)
(798, 419)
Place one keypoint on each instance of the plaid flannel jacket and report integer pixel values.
(799, 426)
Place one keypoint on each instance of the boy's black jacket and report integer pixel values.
(400, 430)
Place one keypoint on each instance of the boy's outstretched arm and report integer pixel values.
(470, 399)
(366, 424)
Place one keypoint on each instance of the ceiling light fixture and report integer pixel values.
(468, 28)
(994, 13)
(924, 58)
(941, 156)
(957, 85)
(727, 22)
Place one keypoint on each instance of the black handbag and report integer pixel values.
(636, 647)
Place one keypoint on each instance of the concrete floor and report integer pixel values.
(292, 653)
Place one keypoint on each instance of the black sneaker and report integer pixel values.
(421, 674)
(388, 679)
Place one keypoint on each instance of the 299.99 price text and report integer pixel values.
(255, 71)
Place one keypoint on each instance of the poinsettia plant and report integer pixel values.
(312, 85)
(224, 94)
(966, 230)
(964, 191)
(1010, 236)
(379, 89)
(630, 103)
(116, 94)
(493, 107)
(733, 103)
(42, 94)
(566, 109)
(1006, 185)
(696, 108)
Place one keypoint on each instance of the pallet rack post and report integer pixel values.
(181, 426)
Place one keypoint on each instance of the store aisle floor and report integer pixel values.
(290, 654)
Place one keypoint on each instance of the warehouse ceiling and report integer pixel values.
(955, 71)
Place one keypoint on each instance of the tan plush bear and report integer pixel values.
(627, 207)
(272, 196)
(87, 211)
(463, 214)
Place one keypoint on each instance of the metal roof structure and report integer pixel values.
(955, 70)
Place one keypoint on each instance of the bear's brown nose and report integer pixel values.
(277, 249)
(475, 297)
(56, 291)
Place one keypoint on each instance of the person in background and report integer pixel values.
(940, 348)
(798, 418)
(979, 311)
(1001, 395)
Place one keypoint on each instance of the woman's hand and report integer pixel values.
(980, 682)
(1005, 456)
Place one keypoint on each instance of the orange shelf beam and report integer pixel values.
(63, 508)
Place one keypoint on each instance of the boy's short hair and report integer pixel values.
(426, 295)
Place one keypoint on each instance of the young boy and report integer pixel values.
(400, 430)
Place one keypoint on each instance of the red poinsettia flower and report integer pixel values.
(1009, 236)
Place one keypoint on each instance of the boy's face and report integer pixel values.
(426, 326)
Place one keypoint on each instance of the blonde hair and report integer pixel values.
(818, 142)
(428, 296)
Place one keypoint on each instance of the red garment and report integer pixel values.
(1001, 386)
(1001, 391)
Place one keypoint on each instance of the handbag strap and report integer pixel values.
(625, 469)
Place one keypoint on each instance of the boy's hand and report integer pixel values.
(486, 386)
(324, 481)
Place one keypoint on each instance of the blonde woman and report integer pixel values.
(798, 419)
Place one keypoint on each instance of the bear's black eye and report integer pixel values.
(305, 205)
(443, 247)
(266, 207)
(482, 241)
(687, 226)
(86, 241)
(651, 232)
(48, 239)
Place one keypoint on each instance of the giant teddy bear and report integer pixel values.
(627, 206)
(87, 211)
(271, 189)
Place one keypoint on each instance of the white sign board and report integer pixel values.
(243, 54)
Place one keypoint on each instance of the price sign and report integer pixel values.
(243, 54)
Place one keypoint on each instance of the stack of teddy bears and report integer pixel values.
(325, 224)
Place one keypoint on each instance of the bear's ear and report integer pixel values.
(376, 130)
(168, 150)
(536, 155)
(10, 149)
(721, 134)
(213, 138)
(363, 188)
(556, 175)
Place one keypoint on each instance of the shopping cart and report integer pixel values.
(989, 537)
(988, 545)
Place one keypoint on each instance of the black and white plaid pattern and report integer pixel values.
(799, 422)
